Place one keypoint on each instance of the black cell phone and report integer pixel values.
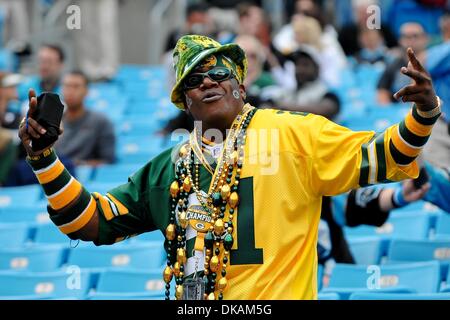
(48, 114)
(421, 179)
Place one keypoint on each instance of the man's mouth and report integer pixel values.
(211, 97)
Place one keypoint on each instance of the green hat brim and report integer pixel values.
(235, 53)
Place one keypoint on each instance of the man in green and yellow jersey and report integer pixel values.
(239, 202)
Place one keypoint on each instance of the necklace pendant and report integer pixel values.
(194, 289)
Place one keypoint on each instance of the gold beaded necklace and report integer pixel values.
(222, 194)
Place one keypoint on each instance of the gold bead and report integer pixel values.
(231, 217)
(211, 296)
(214, 264)
(211, 228)
(224, 175)
(179, 292)
(224, 265)
(181, 255)
(176, 269)
(219, 227)
(230, 230)
(214, 216)
(206, 271)
(225, 191)
(236, 183)
(233, 200)
(182, 219)
(234, 157)
(167, 274)
(215, 209)
(180, 238)
(238, 171)
(174, 189)
(181, 274)
(226, 252)
(170, 232)
(187, 184)
(222, 284)
(217, 244)
(208, 252)
(183, 151)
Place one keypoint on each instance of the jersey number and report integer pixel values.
(246, 252)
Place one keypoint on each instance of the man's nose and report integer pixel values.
(208, 83)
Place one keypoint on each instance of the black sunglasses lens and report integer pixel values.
(193, 81)
(219, 74)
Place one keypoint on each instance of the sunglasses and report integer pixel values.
(218, 74)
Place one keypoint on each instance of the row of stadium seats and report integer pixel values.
(50, 256)
(75, 283)
(401, 281)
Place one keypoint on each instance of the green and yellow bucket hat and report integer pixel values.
(190, 50)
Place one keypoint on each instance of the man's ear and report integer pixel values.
(242, 91)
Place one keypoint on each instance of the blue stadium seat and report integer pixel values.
(126, 296)
(443, 224)
(25, 213)
(328, 296)
(413, 225)
(420, 277)
(399, 296)
(115, 173)
(13, 234)
(366, 250)
(138, 255)
(421, 250)
(36, 258)
(319, 277)
(8, 61)
(155, 236)
(49, 233)
(84, 173)
(128, 281)
(10, 196)
(100, 187)
(57, 284)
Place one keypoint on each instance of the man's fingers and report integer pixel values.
(32, 132)
(413, 59)
(409, 89)
(414, 74)
(36, 126)
(32, 102)
(418, 98)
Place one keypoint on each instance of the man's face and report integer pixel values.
(305, 70)
(50, 65)
(412, 35)
(213, 101)
(74, 90)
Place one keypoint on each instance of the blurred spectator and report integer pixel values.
(97, 49)
(312, 94)
(412, 35)
(198, 21)
(16, 22)
(373, 49)
(365, 206)
(438, 65)
(437, 150)
(8, 150)
(88, 136)
(439, 193)
(349, 32)
(259, 84)
(50, 65)
(306, 30)
(253, 21)
(9, 101)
